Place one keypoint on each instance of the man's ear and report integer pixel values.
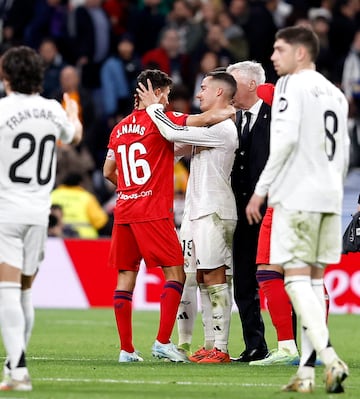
(301, 53)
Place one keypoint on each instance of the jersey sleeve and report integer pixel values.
(67, 129)
(177, 117)
(200, 136)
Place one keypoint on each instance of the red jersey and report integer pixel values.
(145, 165)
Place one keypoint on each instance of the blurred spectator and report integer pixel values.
(86, 157)
(75, 3)
(284, 10)
(91, 42)
(179, 99)
(260, 31)
(234, 34)
(164, 5)
(49, 20)
(206, 16)
(351, 88)
(216, 42)
(208, 63)
(118, 80)
(75, 160)
(15, 15)
(81, 209)
(239, 10)
(320, 22)
(118, 12)
(208, 12)
(145, 24)
(351, 72)
(341, 34)
(53, 65)
(181, 18)
(56, 224)
(168, 59)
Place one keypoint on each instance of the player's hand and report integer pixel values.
(147, 95)
(71, 106)
(252, 211)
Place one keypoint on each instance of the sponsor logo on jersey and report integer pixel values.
(134, 196)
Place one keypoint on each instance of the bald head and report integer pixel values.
(69, 79)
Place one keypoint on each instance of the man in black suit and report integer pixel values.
(253, 121)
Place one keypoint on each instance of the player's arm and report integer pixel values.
(207, 118)
(211, 117)
(72, 111)
(199, 136)
(109, 168)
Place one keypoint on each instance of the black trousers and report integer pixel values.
(246, 290)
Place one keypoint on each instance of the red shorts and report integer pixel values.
(263, 249)
(156, 242)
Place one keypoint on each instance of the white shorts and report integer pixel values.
(301, 238)
(207, 243)
(22, 246)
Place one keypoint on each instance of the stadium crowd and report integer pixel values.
(95, 49)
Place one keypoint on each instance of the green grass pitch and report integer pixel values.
(73, 355)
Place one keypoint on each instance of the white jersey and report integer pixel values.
(309, 145)
(30, 127)
(211, 164)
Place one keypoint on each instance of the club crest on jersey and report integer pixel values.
(283, 104)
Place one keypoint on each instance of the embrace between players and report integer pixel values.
(302, 180)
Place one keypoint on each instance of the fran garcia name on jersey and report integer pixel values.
(35, 113)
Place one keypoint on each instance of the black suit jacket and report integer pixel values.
(248, 167)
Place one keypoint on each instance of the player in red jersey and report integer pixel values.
(140, 162)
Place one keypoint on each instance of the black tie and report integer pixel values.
(246, 130)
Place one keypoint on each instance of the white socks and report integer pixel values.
(29, 313)
(12, 322)
(289, 345)
(187, 311)
(308, 307)
(221, 310)
(207, 317)
(216, 333)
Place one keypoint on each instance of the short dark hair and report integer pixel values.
(158, 79)
(301, 35)
(223, 76)
(23, 68)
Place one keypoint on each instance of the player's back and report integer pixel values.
(145, 164)
(30, 126)
(316, 111)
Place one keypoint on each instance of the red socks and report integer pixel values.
(169, 303)
(280, 309)
(123, 315)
